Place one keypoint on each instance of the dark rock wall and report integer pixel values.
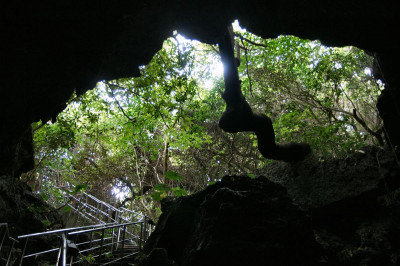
(317, 182)
(23, 210)
(318, 212)
(353, 202)
(51, 48)
(238, 221)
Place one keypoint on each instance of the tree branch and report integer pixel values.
(119, 105)
(247, 68)
(250, 41)
(369, 130)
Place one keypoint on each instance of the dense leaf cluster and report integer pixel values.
(157, 135)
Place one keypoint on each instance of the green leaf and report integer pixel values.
(156, 196)
(66, 208)
(173, 175)
(161, 188)
(79, 188)
(46, 222)
(179, 192)
(44, 196)
(252, 176)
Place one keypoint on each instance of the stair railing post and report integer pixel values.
(4, 236)
(123, 237)
(101, 212)
(97, 211)
(112, 239)
(59, 255)
(141, 236)
(10, 253)
(91, 239)
(101, 245)
(81, 206)
(86, 202)
(145, 229)
(23, 252)
(116, 216)
(64, 250)
(119, 232)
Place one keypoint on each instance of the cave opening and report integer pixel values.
(134, 141)
(341, 200)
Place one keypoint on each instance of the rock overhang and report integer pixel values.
(52, 49)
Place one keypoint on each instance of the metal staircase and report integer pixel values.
(96, 211)
(113, 236)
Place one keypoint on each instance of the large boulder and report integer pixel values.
(237, 221)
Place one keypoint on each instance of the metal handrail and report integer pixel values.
(94, 209)
(107, 205)
(59, 232)
(133, 236)
(6, 236)
(100, 201)
(122, 230)
(135, 214)
(103, 245)
(119, 235)
(109, 226)
(97, 211)
(65, 230)
(89, 206)
(87, 215)
(122, 215)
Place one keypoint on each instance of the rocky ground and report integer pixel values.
(319, 211)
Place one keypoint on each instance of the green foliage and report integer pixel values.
(179, 192)
(173, 175)
(161, 188)
(89, 258)
(252, 176)
(46, 222)
(36, 209)
(157, 196)
(79, 188)
(160, 130)
(109, 255)
(66, 208)
(44, 196)
(311, 92)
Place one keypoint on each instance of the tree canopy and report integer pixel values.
(156, 135)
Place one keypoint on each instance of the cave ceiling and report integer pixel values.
(52, 48)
